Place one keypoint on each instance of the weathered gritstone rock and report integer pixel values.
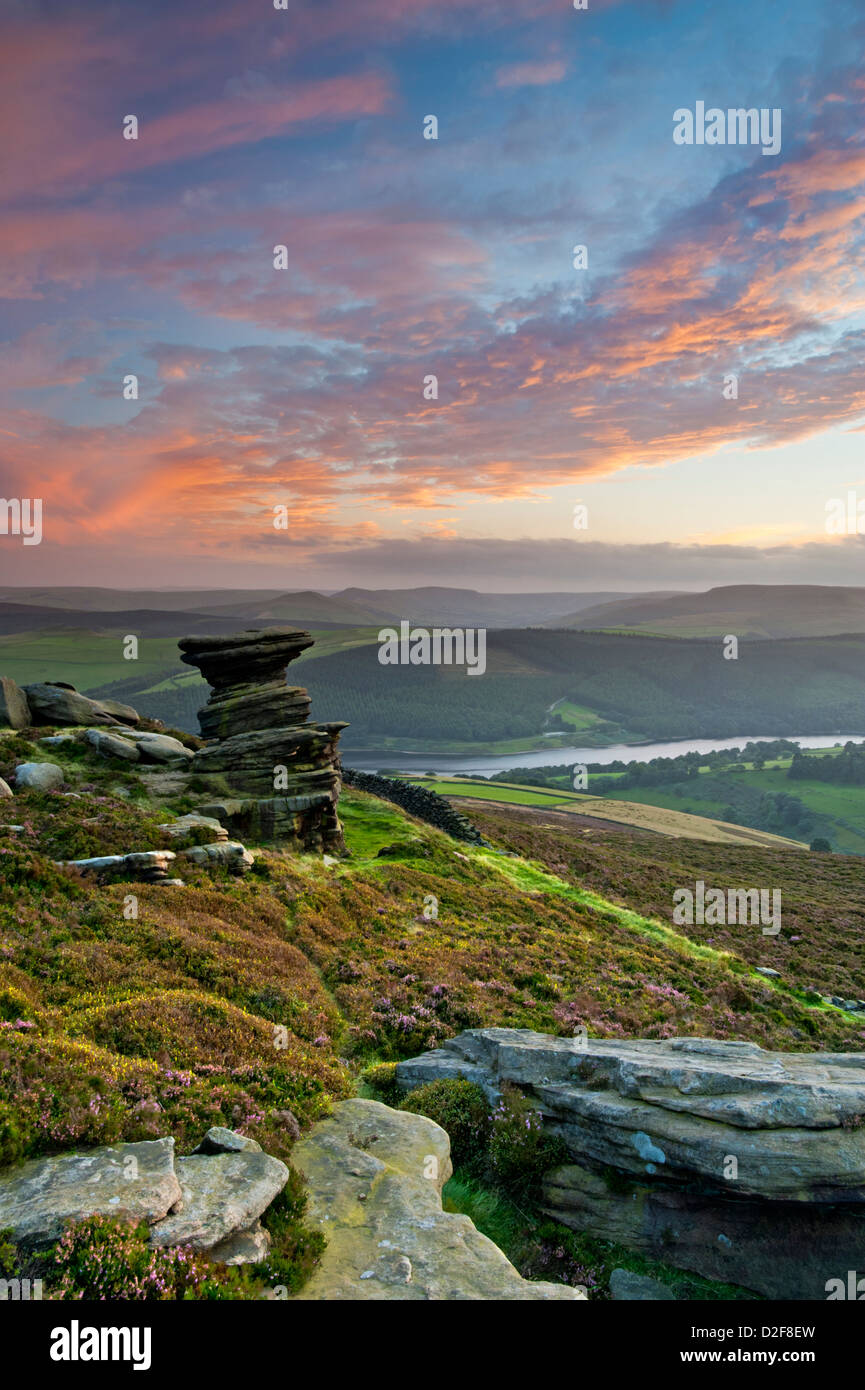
(181, 827)
(212, 1200)
(135, 1182)
(375, 1177)
(222, 1193)
(14, 709)
(42, 777)
(111, 746)
(255, 724)
(62, 704)
(228, 854)
(665, 1119)
(5, 790)
(141, 866)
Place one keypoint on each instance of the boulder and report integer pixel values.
(162, 748)
(229, 854)
(243, 1247)
(135, 1182)
(738, 1163)
(5, 790)
(221, 1193)
(627, 1287)
(226, 1141)
(42, 777)
(181, 827)
(14, 709)
(110, 746)
(61, 704)
(125, 713)
(375, 1177)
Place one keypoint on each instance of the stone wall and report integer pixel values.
(419, 801)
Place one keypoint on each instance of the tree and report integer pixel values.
(821, 846)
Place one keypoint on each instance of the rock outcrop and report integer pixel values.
(284, 770)
(740, 1164)
(212, 1200)
(14, 709)
(140, 866)
(375, 1177)
(62, 704)
(134, 1182)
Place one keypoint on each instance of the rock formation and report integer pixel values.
(375, 1177)
(210, 1201)
(260, 743)
(743, 1165)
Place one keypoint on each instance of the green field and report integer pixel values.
(82, 659)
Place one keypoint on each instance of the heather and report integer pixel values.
(131, 1011)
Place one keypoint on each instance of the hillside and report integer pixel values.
(659, 819)
(747, 610)
(349, 607)
(756, 787)
(123, 1025)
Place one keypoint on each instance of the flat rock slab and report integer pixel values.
(135, 1182)
(675, 1108)
(221, 1193)
(375, 1177)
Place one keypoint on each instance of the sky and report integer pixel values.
(284, 433)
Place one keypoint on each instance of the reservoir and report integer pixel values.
(551, 757)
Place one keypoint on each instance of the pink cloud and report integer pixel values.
(540, 74)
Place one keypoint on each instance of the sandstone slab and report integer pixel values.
(717, 1156)
(135, 1182)
(375, 1177)
(221, 1193)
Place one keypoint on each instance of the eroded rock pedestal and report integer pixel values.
(284, 770)
(742, 1165)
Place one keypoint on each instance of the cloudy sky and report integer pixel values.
(303, 388)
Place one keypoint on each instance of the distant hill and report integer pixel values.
(469, 608)
(747, 610)
(440, 606)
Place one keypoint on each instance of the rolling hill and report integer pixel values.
(746, 610)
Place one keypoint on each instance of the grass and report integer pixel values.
(86, 659)
(643, 813)
(119, 1024)
(543, 1249)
